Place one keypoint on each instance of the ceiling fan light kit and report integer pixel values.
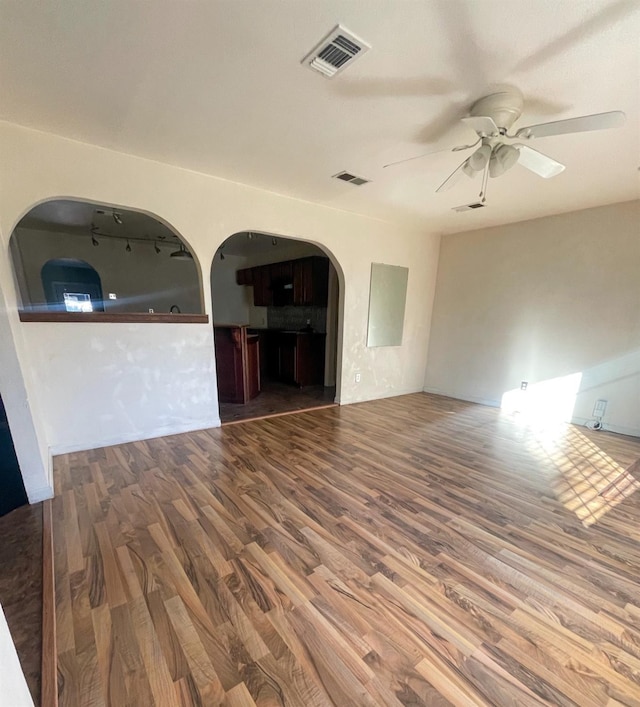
(491, 118)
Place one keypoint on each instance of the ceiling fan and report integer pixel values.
(497, 151)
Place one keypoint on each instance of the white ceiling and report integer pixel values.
(218, 87)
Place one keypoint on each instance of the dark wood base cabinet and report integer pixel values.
(296, 357)
(237, 364)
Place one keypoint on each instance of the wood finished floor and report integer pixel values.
(409, 551)
(21, 588)
(277, 398)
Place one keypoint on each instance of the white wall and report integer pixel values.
(141, 279)
(205, 211)
(23, 413)
(540, 300)
(13, 687)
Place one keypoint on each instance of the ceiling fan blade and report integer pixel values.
(452, 179)
(597, 121)
(482, 124)
(540, 164)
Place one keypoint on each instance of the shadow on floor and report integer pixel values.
(275, 398)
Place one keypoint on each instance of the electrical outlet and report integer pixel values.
(523, 385)
(150, 310)
(358, 377)
(112, 295)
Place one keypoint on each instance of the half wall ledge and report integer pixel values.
(114, 318)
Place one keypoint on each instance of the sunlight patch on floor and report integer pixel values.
(591, 483)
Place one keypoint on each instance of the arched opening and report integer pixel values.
(71, 285)
(276, 318)
(112, 259)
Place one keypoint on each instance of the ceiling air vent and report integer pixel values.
(469, 207)
(351, 178)
(335, 52)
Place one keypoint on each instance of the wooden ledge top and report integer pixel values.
(114, 317)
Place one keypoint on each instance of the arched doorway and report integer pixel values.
(276, 320)
(71, 285)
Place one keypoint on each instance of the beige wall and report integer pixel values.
(163, 376)
(540, 300)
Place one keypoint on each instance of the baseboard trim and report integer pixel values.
(616, 429)
(380, 396)
(468, 398)
(43, 493)
(49, 665)
(133, 437)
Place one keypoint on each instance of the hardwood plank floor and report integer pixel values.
(409, 551)
(21, 588)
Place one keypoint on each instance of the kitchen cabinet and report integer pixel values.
(237, 364)
(310, 281)
(296, 357)
(301, 282)
(262, 292)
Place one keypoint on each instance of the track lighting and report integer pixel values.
(128, 248)
(116, 218)
(157, 249)
(181, 254)
(221, 255)
(250, 236)
(274, 241)
(95, 241)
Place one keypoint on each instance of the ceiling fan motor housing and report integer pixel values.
(504, 108)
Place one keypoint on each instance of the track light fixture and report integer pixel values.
(274, 241)
(128, 248)
(221, 255)
(181, 254)
(95, 241)
(157, 249)
(117, 218)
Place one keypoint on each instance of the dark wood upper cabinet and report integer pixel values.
(302, 282)
(262, 292)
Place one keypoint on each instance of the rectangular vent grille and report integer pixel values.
(469, 207)
(351, 178)
(335, 52)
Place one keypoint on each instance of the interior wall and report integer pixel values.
(542, 300)
(141, 279)
(23, 414)
(36, 166)
(230, 301)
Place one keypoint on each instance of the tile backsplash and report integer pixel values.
(295, 318)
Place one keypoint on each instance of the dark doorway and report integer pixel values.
(12, 493)
(72, 286)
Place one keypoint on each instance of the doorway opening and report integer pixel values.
(12, 492)
(276, 326)
(71, 285)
